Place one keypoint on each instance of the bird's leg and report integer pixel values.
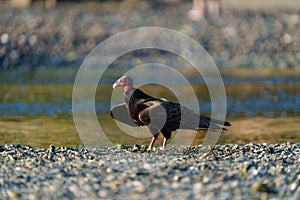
(164, 144)
(150, 148)
(167, 135)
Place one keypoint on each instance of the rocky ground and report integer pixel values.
(250, 171)
(63, 36)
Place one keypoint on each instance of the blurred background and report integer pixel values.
(255, 44)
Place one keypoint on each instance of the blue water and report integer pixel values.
(271, 97)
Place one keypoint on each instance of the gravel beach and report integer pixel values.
(249, 171)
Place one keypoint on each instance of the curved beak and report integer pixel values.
(115, 85)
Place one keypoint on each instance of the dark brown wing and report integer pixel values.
(120, 113)
(154, 115)
(165, 115)
(161, 115)
(169, 116)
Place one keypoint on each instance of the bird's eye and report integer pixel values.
(121, 80)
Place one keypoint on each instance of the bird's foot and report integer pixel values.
(149, 149)
(162, 148)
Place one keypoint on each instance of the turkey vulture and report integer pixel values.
(159, 115)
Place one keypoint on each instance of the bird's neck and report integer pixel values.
(128, 87)
(128, 95)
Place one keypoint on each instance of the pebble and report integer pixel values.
(178, 172)
(4, 38)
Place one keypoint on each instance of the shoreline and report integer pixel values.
(41, 131)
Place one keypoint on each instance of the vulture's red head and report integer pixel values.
(125, 81)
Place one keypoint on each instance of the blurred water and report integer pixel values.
(246, 96)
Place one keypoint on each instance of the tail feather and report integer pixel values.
(188, 116)
(206, 122)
